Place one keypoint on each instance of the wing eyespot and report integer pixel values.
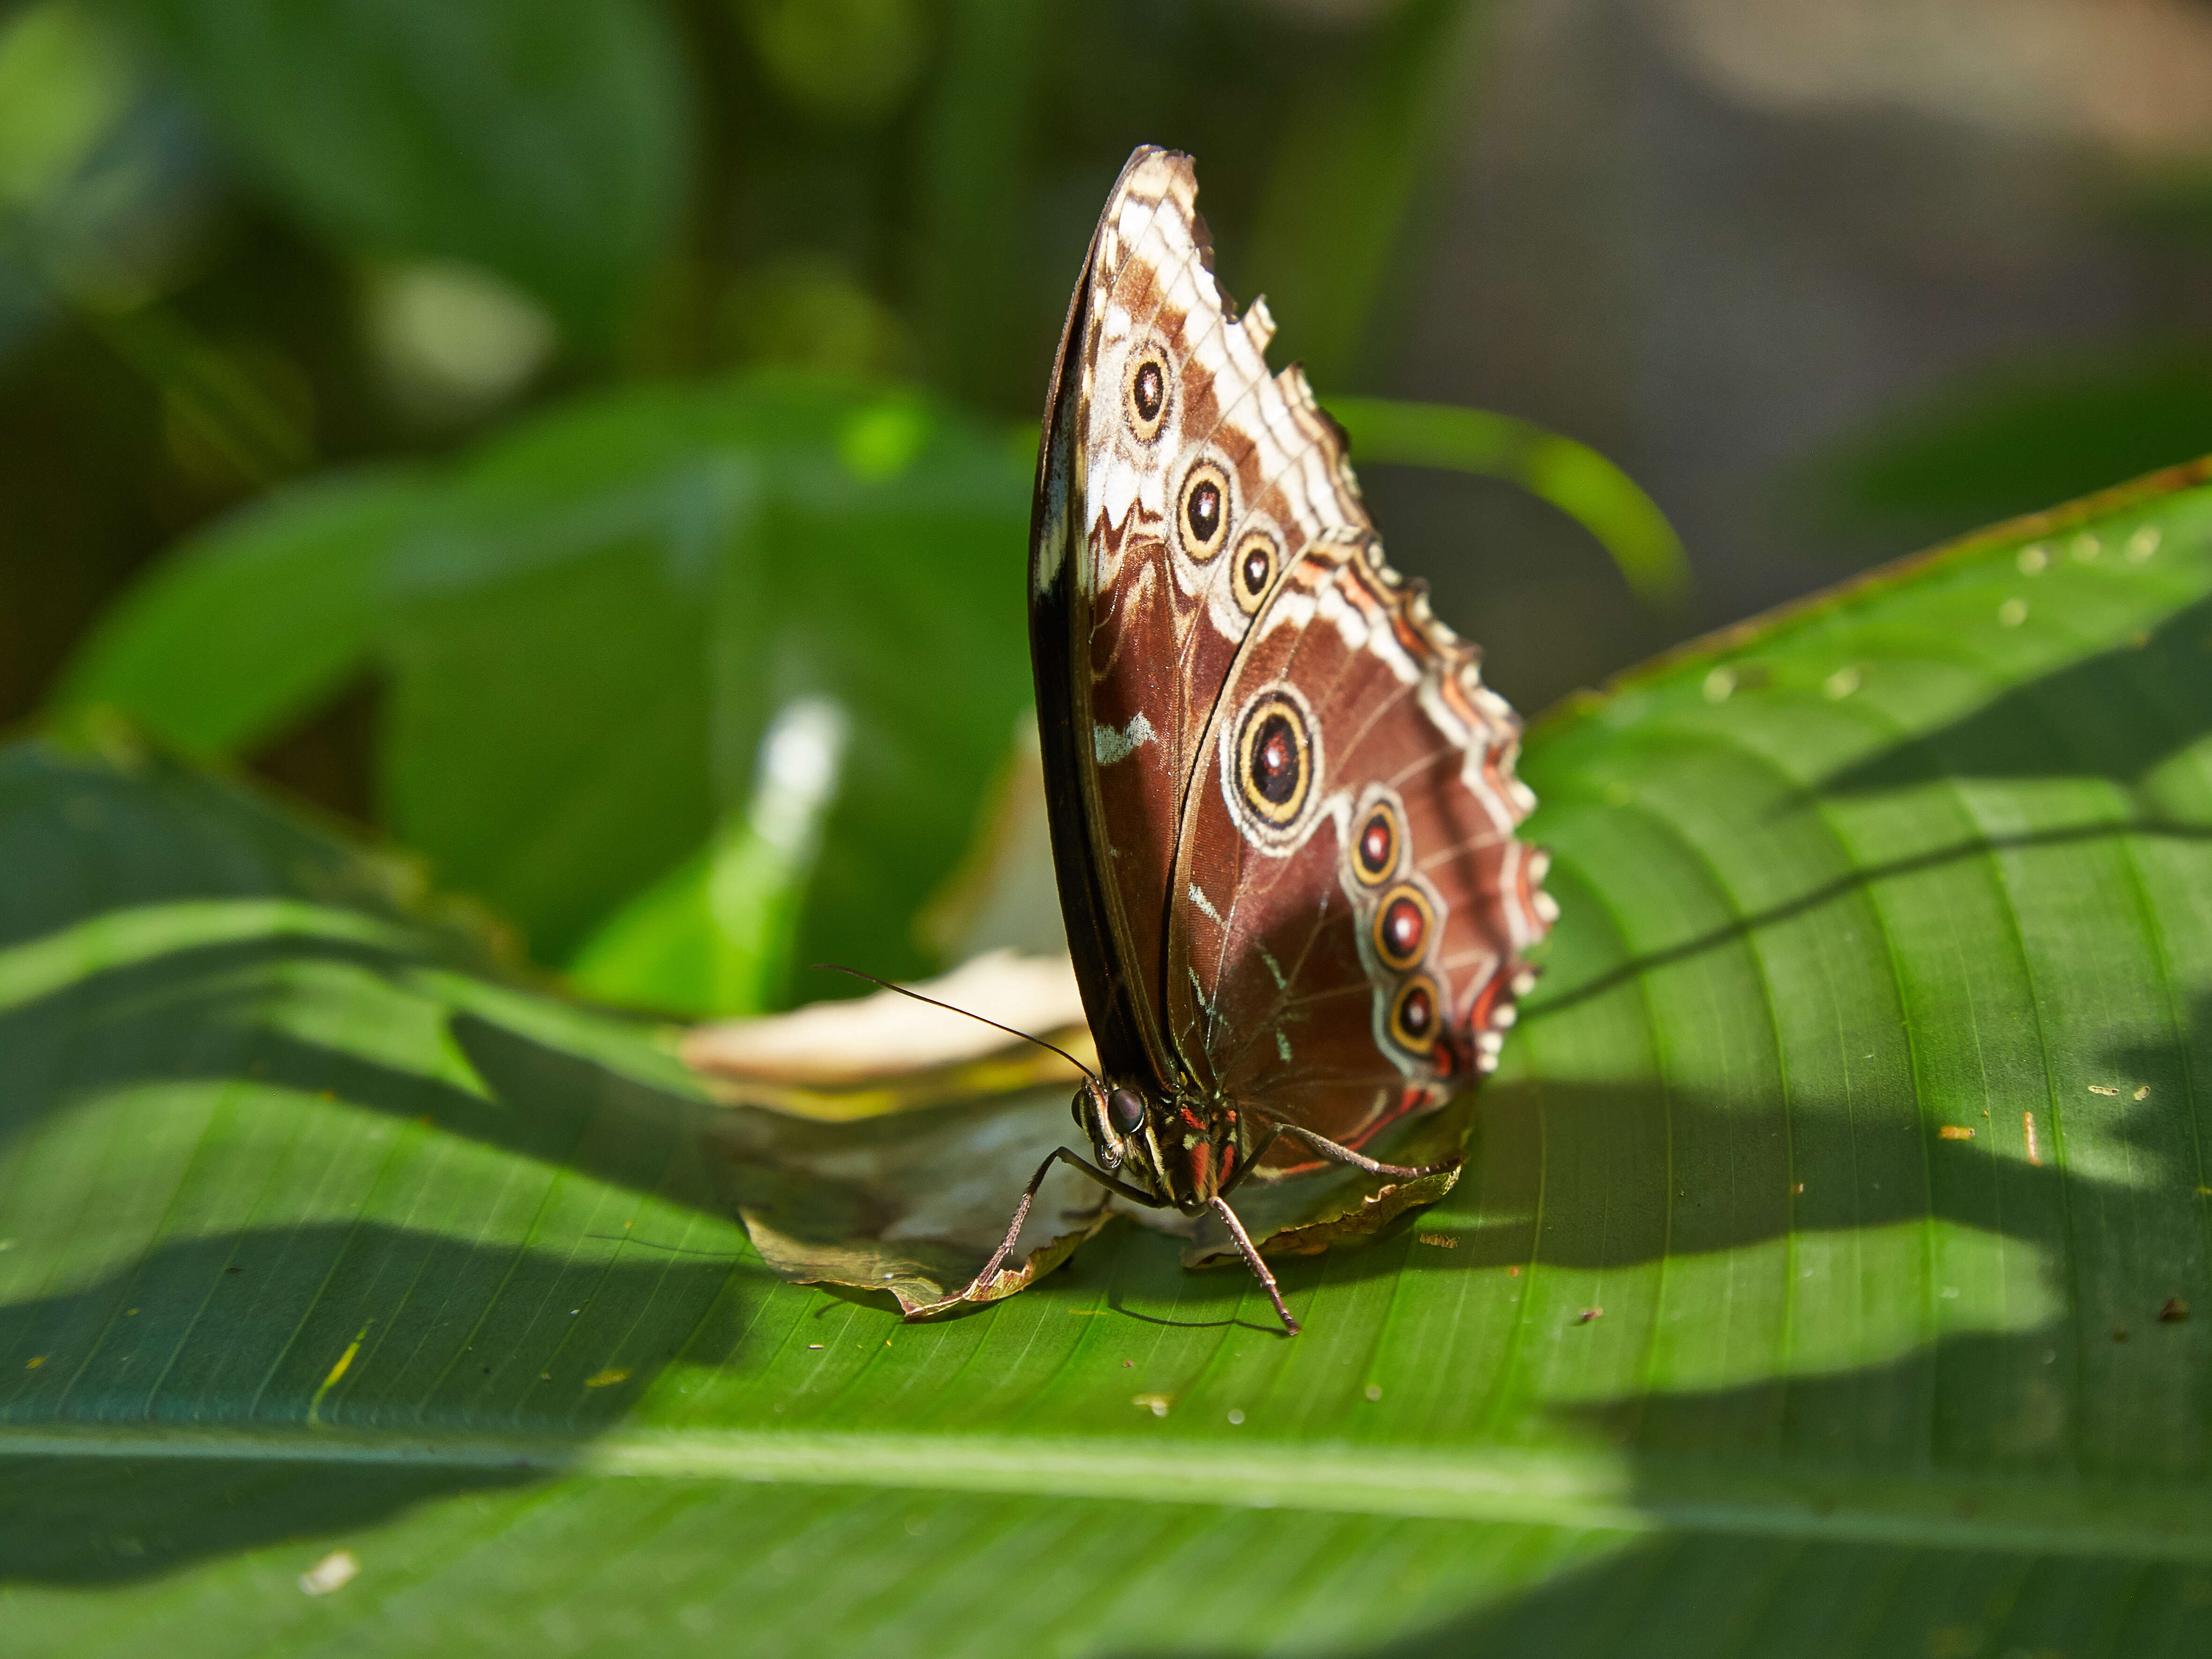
(1203, 510)
(1374, 848)
(1404, 922)
(1276, 758)
(1258, 558)
(1146, 393)
(1271, 766)
(1417, 1015)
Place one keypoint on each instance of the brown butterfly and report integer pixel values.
(1282, 800)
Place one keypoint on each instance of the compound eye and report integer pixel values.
(1124, 1111)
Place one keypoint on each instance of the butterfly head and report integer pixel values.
(1113, 1116)
(1184, 1148)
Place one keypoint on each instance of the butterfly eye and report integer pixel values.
(1124, 1111)
(1413, 1015)
(1146, 394)
(1205, 511)
(1375, 854)
(1402, 926)
(1256, 558)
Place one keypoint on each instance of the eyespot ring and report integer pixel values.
(1146, 392)
(1271, 764)
(1374, 848)
(1274, 760)
(1404, 922)
(1203, 510)
(1252, 573)
(1417, 1019)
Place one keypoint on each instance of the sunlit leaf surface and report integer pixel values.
(1829, 1276)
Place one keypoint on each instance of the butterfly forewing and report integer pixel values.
(1187, 484)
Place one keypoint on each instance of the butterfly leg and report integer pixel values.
(1060, 1155)
(1330, 1150)
(1252, 1260)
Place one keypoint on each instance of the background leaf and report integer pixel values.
(1730, 1340)
(466, 129)
(593, 635)
(2007, 441)
(1572, 476)
(585, 629)
(239, 634)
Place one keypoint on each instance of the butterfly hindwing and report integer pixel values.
(1351, 903)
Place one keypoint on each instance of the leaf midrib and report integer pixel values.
(1590, 1491)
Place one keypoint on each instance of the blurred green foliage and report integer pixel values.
(594, 446)
(556, 156)
(1572, 476)
(590, 446)
(2009, 441)
(584, 629)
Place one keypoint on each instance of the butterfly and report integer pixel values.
(1282, 801)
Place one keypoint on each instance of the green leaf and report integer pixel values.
(62, 88)
(548, 145)
(1935, 845)
(589, 626)
(250, 625)
(1572, 476)
(716, 933)
(598, 625)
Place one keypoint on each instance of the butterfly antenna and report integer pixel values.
(839, 968)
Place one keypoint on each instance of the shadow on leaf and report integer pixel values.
(2118, 714)
(328, 1327)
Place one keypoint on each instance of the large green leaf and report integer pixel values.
(593, 639)
(587, 626)
(323, 1235)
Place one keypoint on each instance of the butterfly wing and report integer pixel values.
(1177, 481)
(1351, 903)
(1282, 800)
